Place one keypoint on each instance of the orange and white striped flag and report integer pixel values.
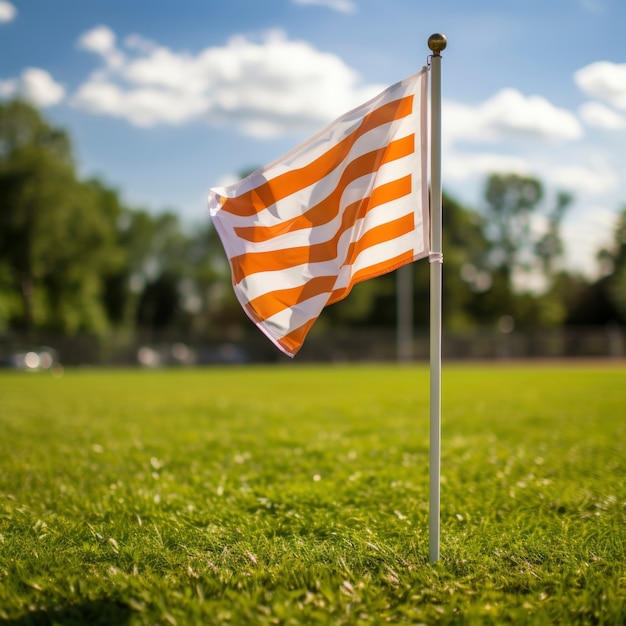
(349, 204)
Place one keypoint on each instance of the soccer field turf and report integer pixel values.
(299, 494)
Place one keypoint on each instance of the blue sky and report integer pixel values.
(164, 99)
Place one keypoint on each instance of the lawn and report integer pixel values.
(299, 495)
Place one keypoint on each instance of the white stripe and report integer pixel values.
(330, 136)
(416, 202)
(317, 234)
(262, 283)
(289, 319)
(298, 202)
(378, 216)
(376, 254)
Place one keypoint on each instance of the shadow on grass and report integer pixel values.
(92, 613)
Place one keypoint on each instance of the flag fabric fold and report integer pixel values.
(349, 204)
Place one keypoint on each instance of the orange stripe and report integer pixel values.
(380, 234)
(268, 304)
(274, 302)
(372, 271)
(249, 263)
(259, 198)
(327, 209)
(293, 341)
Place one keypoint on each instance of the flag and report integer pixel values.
(349, 204)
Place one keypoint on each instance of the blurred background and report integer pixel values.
(115, 120)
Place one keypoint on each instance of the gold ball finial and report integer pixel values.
(437, 43)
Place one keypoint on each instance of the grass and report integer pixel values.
(299, 495)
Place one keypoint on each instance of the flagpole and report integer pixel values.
(436, 43)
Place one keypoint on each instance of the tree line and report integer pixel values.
(75, 258)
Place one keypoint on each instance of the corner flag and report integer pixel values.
(349, 204)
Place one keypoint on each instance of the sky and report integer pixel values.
(166, 99)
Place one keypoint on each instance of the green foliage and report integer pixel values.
(512, 203)
(465, 250)
(520, 257)
(56, 239)
(617, 280)
(23, 128)
(75, 258)
(511, 200)
(604, 301)
(299, 495)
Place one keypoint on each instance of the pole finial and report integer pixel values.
(437, 43)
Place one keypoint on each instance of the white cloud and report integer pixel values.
(263, 88)
(598, 115)
(138, 42)
(101, 41)
(342, 6)
(586, 235)
(141, 107)
(509, 115)
(465, 166)
(604, 80)
(7, 11)
(35, 85)
(578, 177)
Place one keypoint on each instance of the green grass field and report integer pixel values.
(299, 495)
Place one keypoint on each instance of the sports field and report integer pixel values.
(299, 495)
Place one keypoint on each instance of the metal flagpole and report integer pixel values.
(436, 43)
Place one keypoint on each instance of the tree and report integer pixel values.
(576, 301)
(521, 256)
(604, 301)
(28, 149)
(616, 284)
(57, 241)
(22, 127)
(465, 249)
(144, 289)
(549, 248)
(512, 203)
(172, 278)
(511, 199)
(208, 296)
